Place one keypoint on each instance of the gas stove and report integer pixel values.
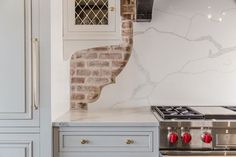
(177, 112)
(184, 112)
(196, 131)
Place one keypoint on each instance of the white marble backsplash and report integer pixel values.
(185, 56)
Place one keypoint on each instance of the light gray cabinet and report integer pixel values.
(90, 23)
(18, 29)
(105, 141)
(19, 78)
(91, 19)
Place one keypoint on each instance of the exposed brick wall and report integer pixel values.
(92, 69)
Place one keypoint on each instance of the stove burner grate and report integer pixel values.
(177, 112)
(232, 108)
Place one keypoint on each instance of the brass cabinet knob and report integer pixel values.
(83, 141)
(129, 141)
(112, 8)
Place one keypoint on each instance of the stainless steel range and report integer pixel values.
(196, 131)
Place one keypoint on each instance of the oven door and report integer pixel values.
(197, 153)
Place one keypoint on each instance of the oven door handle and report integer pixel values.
(198, 153)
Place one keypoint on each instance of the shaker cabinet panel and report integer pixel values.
(13, 145)
(19, 149)
(105, 141)
(16, 31)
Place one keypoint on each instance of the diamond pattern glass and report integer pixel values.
(91, 12)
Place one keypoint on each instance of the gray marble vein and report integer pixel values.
(218, 58)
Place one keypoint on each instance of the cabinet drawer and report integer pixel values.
(106, 141)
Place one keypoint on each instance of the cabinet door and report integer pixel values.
(19, 145)
(16, 33)
(91, 18)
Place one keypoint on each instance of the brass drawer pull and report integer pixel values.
(129, 141)
(83, 141)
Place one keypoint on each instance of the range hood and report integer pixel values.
(144, 10)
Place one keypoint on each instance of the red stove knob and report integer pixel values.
(206, 137)
(173, 137)
(186, 137)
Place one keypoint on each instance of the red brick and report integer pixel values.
(102, 81)
(128, 48)
(128, 40)
(110, 56)
(116, 72)
(91, 55)
(101, 72)
(127, 16)
(77, 80)
(78, 56)
(127, 2)
(119, 48)
(92, 96)
(84, 72)
(83, 88)
(80, 64)
(98, 64)
(127, 24)
(127, 32)
(77, 96)
(87, 55)
(120, 64)
(126, 56)
(101, 49)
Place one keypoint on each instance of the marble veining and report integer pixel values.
(186, 55)
(141, 116)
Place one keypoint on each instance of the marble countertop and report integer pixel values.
(141, 116)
